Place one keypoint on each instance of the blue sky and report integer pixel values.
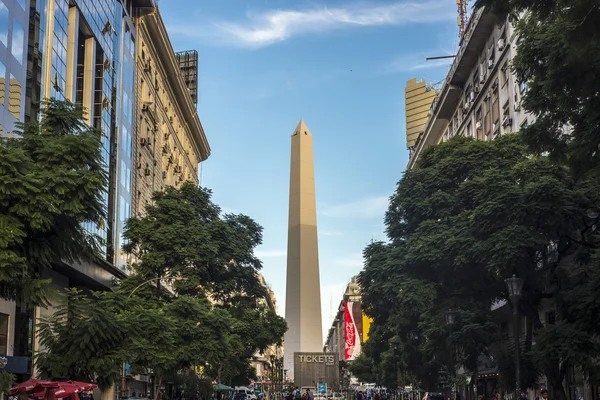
(341, 65)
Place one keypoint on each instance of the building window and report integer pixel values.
(470, 130)
(2, 82)
(523, 87)
(504, 74)
(3, 334)
(18, 40)
(3, 24)
(14, 97)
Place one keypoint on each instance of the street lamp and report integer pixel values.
(515, 285)
(450, 319)
(395, 350)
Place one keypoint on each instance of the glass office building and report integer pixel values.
(83, 51)
(13, 62)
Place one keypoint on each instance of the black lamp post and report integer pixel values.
(450, 319)
(396, 349)
(515, 285)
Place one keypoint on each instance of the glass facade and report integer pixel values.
(14, 16)
(96, 71)
(125, 68)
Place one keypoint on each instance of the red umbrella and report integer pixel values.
(65, 389)
(32, 385)
(85, 386)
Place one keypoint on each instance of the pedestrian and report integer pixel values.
(543, 395)
(524, 395)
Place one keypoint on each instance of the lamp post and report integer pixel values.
(395, 350)
(450, 319)
(515, 285)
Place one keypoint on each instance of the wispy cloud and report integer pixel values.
(330, 233)
(272, 26)
(270, 253)
(373, 207)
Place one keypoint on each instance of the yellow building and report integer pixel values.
(262, 360)
(419, 100)
(169, 141)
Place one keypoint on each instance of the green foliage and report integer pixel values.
(192, 299)
(6, 382)
(52, 180)
(184, 238)
(469, 215)
(184, 233)
(557, 58)
(362, 368)
(83, 339)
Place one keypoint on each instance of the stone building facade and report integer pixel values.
(169, 141)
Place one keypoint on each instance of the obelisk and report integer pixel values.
(303, 290)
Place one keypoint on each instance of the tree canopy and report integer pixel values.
(192, 298)
(52, 179)
(471, 214)
(558, 64)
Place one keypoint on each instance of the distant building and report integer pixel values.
(350, 327)
(262, 360)
(188, 64)
(419, 97)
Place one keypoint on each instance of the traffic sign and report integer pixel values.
(322, 389)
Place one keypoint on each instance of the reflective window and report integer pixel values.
(14, 97)
(2, 82)
(123, 177)
(3, 24)
(18, 40)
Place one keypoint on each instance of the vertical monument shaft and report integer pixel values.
(303, 291)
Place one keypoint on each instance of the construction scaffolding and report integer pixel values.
(188, 64)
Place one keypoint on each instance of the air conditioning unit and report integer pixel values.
(495, 84)
(139, 165)
(467, 105)
(147, 66)
(144, 142)
(482, 78)
(507, 121)
(147, 171)
(177, 169)
(167, 135)
(501, 44)
(476, 88)
(478, 125)
(146, 106)
(490, 64)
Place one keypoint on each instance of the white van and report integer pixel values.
(250, 395)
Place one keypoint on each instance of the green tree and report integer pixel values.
(83, 339)
(52, 178)
(556, 60)
(177, 308)
(471, 214)
(209, 258)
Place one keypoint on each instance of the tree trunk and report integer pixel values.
(157, 392)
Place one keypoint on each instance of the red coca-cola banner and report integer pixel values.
(351, 330)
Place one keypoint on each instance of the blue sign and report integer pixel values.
(322, 389)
